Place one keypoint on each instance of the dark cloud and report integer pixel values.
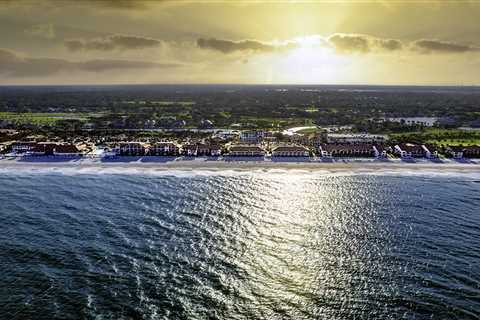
(14, 65)
(229, 46)
(349, 43)
(436, 46)
(388, 44)
(122, 4)
(118, 41)
(359, 43)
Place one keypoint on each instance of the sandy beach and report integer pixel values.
(244, 164)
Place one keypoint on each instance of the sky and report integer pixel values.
(388, 42)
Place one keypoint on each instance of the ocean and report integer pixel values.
(239, 245)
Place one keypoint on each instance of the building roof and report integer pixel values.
(347, 146)
(131, 144)
(465, 148)
(246, 148)
(410, 147)
(66, 148)
(290, 148)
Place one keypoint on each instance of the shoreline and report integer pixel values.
(205, 164)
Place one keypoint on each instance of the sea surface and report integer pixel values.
(239, 245)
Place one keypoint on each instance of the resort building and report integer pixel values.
(355, 138)
(54, 149)
(66, 150)
(132, 149)
(202, 149)
(214, 150)
(23, 147)
(471, 152)
(380, 151)
(290, 151)
(246, 151)
(459, 152)
(251, 136)
(347, 150)
(410, 150)
(164, 149)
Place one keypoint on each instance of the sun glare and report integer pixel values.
(312, 62)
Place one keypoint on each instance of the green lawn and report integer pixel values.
(441, 137)
(41, 118)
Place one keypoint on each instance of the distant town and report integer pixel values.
(241, 121)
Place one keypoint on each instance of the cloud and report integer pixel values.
(229, 46)
(359, 43)
(436, 46)
(15, 65)
(113, 42)
(46, 31)
(344, 43)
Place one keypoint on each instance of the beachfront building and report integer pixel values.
(23, 147)
(380, 151)
(456, 151)
(132, 149)
(459, 152)
(207, 149)
(410, 150)
(252, 136)
(202, 149)
(347, 150)
(431, 151)
(290, 151)
(190, 149)
(164, 149)
(355, 138)
(54, 149)
(243, 150)
(66, 150)
(471, 152)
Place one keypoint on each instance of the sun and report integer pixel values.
(312, 62)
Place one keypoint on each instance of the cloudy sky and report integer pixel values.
(182, 41)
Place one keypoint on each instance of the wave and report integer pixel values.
(444, 172)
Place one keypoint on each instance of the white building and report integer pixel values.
(290, 151)
(355, 138)
(132, 149)
(251, 136)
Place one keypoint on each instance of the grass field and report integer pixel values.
(441, 137)
(41, 118)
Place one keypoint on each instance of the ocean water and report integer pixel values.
(232, 245)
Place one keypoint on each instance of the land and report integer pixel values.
(216, 164)
(443, 119)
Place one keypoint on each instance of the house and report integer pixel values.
(456, 151)
(190, 149)
(347, 150)
(207, 149)
(244, 150)
(431, 151)
(66, 150)
(290, 151)
(355, 138)
(42, 149)
(410, 150)
(202, 149)
(23, 147)
(471, 151)
(459, 152)
(164, 149)
(132, 149)
(251, 136)
(380, 151)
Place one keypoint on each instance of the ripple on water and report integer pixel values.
(239, 246)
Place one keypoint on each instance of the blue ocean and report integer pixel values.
(239, 245)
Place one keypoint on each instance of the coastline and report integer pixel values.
(208, 164)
